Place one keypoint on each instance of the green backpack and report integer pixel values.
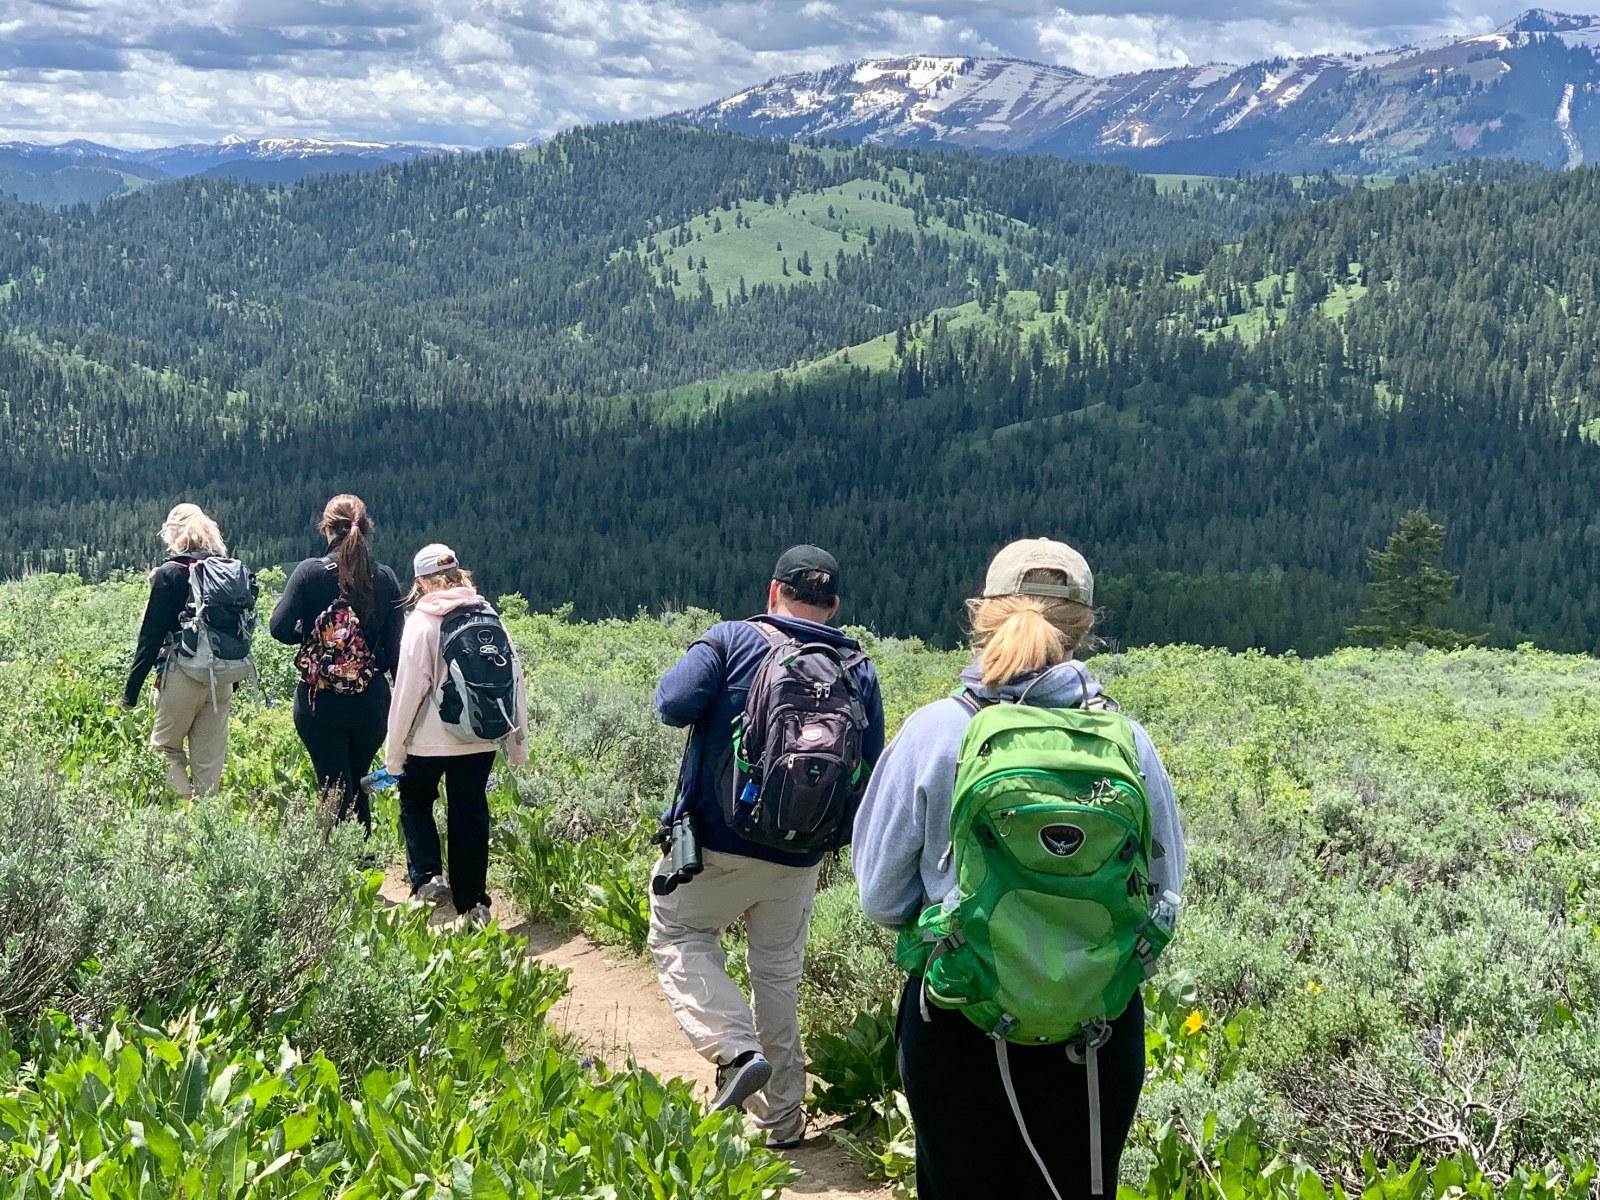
(1053, 930)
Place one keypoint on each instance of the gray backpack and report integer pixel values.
(213, 642)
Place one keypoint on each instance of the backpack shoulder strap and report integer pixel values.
(775, 636)
(196, 596)
(1100, 702)
(971, 701)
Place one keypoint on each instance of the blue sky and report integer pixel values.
(489, 72)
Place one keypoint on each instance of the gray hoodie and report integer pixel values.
(903, 828)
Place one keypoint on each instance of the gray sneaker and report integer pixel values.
(478, 914)
(790, 1137)
(435, 891)
(739, 1080)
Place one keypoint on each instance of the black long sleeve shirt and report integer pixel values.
(163, 618)
(315, 585)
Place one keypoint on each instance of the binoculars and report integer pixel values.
(681, 846)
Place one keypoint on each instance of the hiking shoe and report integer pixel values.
(739, 1080)
(786, 1141)
(432, 892)
(478, 914)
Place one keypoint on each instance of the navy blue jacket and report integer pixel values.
(706, 690)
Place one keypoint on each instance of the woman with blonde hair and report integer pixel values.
(191, 725)
(432, 734)
(343, 611)
(1052, 1124)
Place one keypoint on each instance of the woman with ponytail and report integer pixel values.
(343, 611)
(1033, 1108)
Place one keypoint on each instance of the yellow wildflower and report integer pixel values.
(1194, 1023)
(1313, 987)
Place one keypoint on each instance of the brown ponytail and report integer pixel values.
(1015, 636)
(346, 526)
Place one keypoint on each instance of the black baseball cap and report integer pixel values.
(799, 561)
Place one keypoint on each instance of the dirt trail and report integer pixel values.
(615, 1008)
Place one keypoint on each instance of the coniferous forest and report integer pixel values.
(625, 368)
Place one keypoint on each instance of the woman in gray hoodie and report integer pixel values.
(1034, 616)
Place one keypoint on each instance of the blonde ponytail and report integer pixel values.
(1016, 636)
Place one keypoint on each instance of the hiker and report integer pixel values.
(195, 634)
(459, 696)
(1060, 806)
(810, 718)
(343, 611)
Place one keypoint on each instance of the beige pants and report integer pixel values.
(184, 711)
(686, 940)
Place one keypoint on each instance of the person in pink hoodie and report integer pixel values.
(458, 699)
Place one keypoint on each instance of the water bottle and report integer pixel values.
(379, 781)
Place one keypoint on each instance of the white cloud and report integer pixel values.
(148, 72)
(466, 43)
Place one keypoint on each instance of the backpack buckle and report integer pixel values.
(1095, 1034)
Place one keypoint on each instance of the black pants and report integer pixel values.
(968, 1144)
(342, 735)
(466, 785)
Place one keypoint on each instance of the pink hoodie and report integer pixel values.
(416, 684)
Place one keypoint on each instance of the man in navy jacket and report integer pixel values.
(760, 1062)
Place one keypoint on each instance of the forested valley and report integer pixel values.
(622, 369)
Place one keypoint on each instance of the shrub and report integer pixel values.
(103, 908)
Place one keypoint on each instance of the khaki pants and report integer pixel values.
(184, 711)
(686, 940)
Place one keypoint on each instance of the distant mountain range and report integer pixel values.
(1530, 90)
(87, 171)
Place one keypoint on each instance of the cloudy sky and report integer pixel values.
(488, 72)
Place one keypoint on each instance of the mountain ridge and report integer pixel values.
(80, 170)
(1526, 90)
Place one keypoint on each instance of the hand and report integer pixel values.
(126, 705)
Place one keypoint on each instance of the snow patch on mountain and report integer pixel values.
(1211, 74)
(1564, 124)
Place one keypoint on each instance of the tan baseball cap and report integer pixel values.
(1010, 568)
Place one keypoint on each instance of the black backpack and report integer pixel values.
(218, 624)
(478, 698)
(796, 772)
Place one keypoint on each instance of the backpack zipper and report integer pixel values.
(1006, 815)
(1101, 792)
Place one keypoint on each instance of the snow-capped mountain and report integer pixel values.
(79, 170)
(199, 158)
(1530, 89)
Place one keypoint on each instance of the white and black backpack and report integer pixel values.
(218, 624)
(478, 697)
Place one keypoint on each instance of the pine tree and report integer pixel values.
(1409, 587)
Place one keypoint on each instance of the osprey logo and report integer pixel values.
(1063, 841)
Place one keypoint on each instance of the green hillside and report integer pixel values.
(1389, 929)
(1225, 394)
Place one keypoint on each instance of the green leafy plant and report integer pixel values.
(856, 1070)
(886, 1148)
